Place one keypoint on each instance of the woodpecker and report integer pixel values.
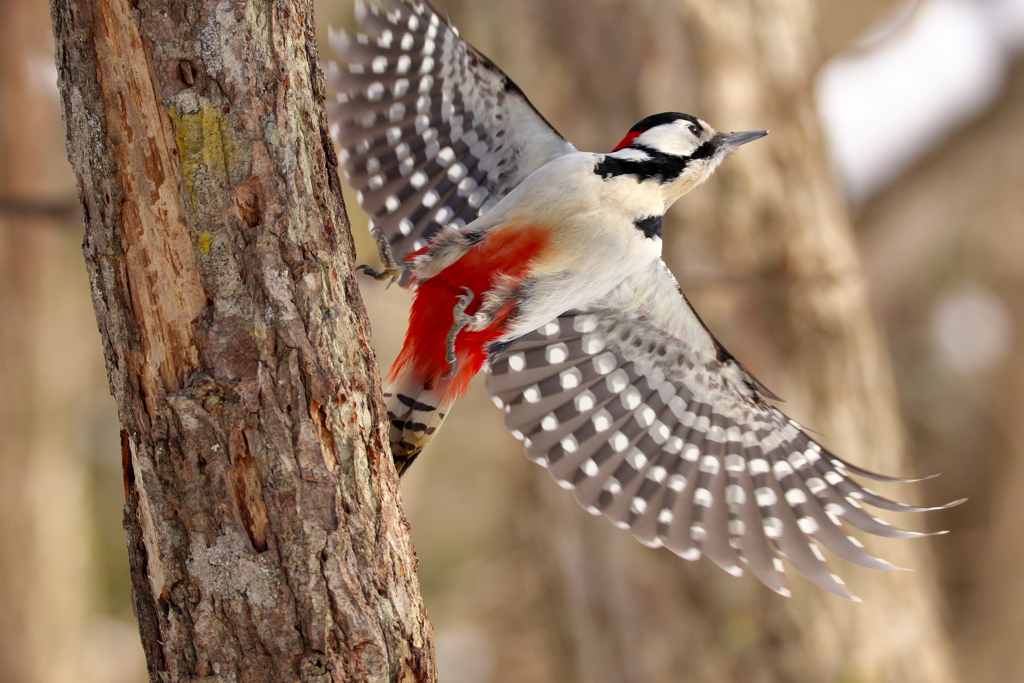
(542, 264)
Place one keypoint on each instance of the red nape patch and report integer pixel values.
(628, 140)
(508, 251)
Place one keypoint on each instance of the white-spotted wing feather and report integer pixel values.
(633, 405)
(431, 131)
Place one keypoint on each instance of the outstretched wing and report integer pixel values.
(633, 405)
(430, 130)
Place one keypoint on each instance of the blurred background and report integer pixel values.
(918, 129)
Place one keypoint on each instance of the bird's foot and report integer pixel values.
(459, 322)
(393, 269)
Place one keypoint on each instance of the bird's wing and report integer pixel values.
(633, 405)
(430, 130)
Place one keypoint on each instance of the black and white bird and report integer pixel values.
(543, 264)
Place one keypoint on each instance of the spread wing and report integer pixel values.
(430, 130)
(635, 407)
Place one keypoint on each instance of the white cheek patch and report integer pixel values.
(671, 139)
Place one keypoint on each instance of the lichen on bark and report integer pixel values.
(265, 533)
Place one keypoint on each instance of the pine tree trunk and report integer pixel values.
(265, 535)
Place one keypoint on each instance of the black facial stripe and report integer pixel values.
(660, 166)
(707, 150)
(650, 226)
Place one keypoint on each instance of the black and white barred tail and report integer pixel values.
(415, 413)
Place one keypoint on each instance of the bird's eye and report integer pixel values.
(694, 129)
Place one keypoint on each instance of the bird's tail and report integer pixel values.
(415, 413)
(423, 382)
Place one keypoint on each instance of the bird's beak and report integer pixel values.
(727, 142)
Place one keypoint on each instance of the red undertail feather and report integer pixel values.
(506, 251)
(418, 397)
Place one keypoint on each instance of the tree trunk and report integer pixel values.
(265, 535)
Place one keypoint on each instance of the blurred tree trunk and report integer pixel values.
(265, 535)
(45, 561)
(952, 225)
(787, 296)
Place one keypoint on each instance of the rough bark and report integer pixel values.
(265, 535)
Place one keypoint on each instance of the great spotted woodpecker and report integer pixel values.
(543, 263)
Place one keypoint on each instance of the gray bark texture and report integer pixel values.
(265, 534)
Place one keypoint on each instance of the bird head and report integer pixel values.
(678, 151)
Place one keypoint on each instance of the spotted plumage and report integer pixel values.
(543, 264)
(431, 132)
(631, 408)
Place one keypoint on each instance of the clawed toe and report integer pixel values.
(460, 320)
(379, 275)
(393, 269)
(465, 299)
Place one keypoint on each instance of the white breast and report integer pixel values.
(595, 243)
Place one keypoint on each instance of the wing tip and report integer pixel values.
(886, 566)
(765, 391)
(902, 480)
(936, 508)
